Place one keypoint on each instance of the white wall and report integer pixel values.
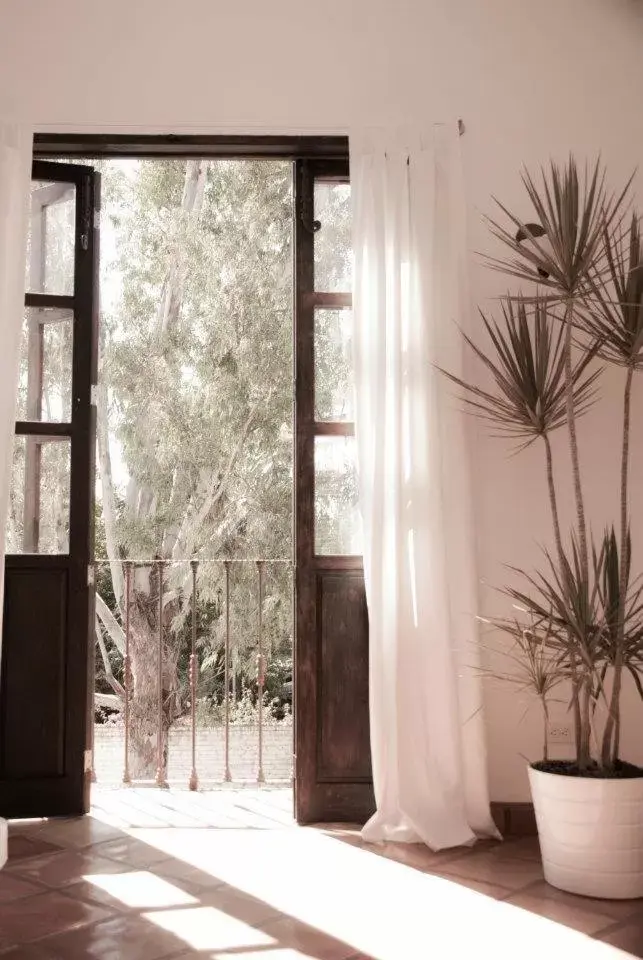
(530, 79)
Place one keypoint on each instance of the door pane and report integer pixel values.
(38, 519)
(334, 365)
(44, 391)
(333, 248)
(51, 242)
(338, 525)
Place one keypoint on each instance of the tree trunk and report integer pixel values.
(191, 203)
(145, 716)
(107, 487)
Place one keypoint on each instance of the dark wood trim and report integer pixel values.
(334, 428)
(305, 607)
(82, 481)
(179, 145)
(338, 562)
(330, 301)
(58, 172)
(514, 819)
(37, 561)
(41, 301)
(43, 428)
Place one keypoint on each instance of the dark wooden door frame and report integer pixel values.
(158, 146)
(332, 584)
(332, 623)
(62, 788)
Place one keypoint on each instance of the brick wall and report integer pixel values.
(244, 754)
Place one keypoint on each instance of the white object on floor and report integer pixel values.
(591, 834)
(427, 732)
(4, 842)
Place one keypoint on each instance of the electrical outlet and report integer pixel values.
(559, 732)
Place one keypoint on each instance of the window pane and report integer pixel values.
(333, 247)
(338, 526)
(51, 242)
(44, 390)
(39, 506)
(333, 365)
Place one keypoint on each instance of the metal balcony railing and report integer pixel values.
(161, 593)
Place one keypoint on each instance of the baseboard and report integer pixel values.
(514, 819)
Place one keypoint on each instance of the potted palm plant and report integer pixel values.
(578, 628)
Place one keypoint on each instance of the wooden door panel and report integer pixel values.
(343, 746)
(33, 702)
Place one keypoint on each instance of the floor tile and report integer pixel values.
(66, 867)
(415, 855)
(616, 910)
(628, 937)
(79, 832)
(14, 888)
(22, 847)
(188, 877)
(121, 938)
(133, 853)
(512, 873)
(527, 848)
(297, 936)
(561, 910)
(211, 930)
(494, 890)
(25, 952)
(249, 909)
(44, 915)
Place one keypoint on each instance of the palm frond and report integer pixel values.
(613, 314)
(573, 212)
(526, 360)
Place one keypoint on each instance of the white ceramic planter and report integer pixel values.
(4, 842)
(591, 834)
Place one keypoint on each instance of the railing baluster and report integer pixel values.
(260, 674)
(227, 776)
(161, 780)
(127, 666)
(194, 780)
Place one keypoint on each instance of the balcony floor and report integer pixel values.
(227, 875)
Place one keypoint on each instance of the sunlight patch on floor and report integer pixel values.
(206, 928)
(141, 890)
(377, 906)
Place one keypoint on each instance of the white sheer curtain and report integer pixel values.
(15, 172)
(429, 762)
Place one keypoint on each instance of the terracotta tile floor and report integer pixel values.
(227, 875)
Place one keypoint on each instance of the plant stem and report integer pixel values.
(552, 499)
(561, 562)
(573, 440)
(581, 712)
(609, 753)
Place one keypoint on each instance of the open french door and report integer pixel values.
(48, 605)
(332, 748)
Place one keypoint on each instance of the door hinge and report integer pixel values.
(88, 760)
(93, 394)
(96, 219)
(91, 576)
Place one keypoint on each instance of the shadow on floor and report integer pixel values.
(179, 876)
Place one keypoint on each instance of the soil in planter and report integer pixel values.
(568, 768)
